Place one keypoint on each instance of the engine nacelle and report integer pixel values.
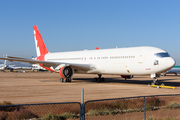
(66, 72)
(127, 76)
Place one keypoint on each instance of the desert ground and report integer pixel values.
(45, 87)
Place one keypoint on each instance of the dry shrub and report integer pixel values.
(20, 115)
(8, 108)
(56, 109)
(52, 117)
(6, 103)
(121, 104)
(3, 115)
(154, 101)
(173, 105)
(68, 115)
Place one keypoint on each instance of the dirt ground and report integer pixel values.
(25, 88)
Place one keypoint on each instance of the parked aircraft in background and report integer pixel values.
(3, 66)
(119, 61)
(175, 70)
(37, 67)
(12, 67)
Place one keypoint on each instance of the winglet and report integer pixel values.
(40, 46)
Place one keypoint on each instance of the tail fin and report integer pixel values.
(5, 60)
(40, 46)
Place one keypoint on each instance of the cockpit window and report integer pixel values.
(161, 55)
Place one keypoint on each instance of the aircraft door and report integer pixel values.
(141, 57)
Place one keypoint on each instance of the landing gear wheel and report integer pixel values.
(68, 80)
(99, 79)
(96, 79)
(103, 79)
(61, 79)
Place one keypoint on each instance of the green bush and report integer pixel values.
(173, 105)
(104, 111)
(94, 112)
(149, 108)
(67, 115)
(63, 116)
(52, 117)
(150, 118)
(170, 118)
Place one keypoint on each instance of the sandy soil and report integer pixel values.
(22, 88)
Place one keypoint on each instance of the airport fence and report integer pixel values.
(41, 111)
(156, 107)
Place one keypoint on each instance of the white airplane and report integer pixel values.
(119, 61)
(3, 66)
(12, 67)
(37, 67)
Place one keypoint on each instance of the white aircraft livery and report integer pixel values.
(118, 61)
(3, 66)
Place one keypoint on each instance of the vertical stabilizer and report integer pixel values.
(5, 60)
(40, 46)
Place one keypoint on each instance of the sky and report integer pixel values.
(71, 25)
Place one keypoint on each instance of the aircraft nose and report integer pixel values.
(170, 62)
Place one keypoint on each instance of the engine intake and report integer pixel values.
(66, 72)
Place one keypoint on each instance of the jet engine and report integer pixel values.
(127, 76)
(66, 72)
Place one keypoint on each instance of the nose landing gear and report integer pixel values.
(155, 81)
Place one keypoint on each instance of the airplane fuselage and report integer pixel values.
(120, 61)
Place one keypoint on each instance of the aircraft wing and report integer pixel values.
(84, 67)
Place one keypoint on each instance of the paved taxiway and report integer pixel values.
(22, 88)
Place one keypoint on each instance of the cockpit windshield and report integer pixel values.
(161, 55)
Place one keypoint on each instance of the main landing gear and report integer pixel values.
(65, 80)
(100, 78)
